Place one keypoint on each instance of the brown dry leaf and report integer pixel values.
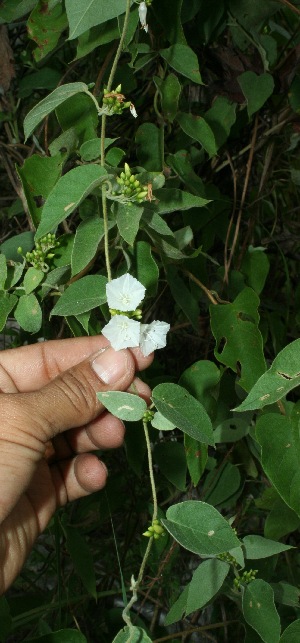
(7, 70)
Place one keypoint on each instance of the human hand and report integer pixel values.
(51, 419)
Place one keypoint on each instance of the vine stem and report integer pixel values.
(103, 130)
(135, 584)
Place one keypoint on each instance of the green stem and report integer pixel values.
(103, 130)
(151, 474)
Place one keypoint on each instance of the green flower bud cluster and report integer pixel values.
(246, 578)
(40, 253)
(226, 556)
(155, 530)
(131, 187)
(132, 314)
(148, 415)
(114, 101)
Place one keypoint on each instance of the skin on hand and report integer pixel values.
(51, 419)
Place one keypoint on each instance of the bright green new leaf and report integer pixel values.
(281, 378)
(260, 612)
(183, 59)
(181, 408)
(28, 313)
(292, 633)
(87, 238)
(200, 528)
(199, 130)
(82, 295)
(82, 558)
(69, 191)
(256, 89)
(128, 216)
(132, 635)
(235, 328)
(32, 279)
(206, 582)
(125, 406)
(170, 458)
(48, 104)
(83, 16)
(281, 462)
(258, 547)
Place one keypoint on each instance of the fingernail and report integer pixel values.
(110, 365)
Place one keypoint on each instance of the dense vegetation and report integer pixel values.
(200, 104)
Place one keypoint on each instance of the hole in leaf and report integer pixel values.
(39, 200)
(221, 345)
(285, 376)
(239, 368)
(245, 317)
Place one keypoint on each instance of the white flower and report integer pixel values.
(133, 110)
(153, 336)
(143, 15)
(124, 293)
(122, 332)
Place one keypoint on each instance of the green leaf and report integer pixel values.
(32, 279)
(177, 610)
(170, 458)
(199, 130)
(235, 328)
(200, 528)
(221, 117)
(181, 165)
(221, 486)
(281, 378)
(258, 547)
(196, 458)
(128, 216)
(182, 58)
(114, 156)
(161, 423)
(7, 303)
(260, 612)
(87, 238)
(5, 619)
(82, 559)
(9, 248)
(97, 36)
(67, 194)
(80, 115)
(51, 102)
(28, 313)
(46, 27)
(82, 295)
(171, 20)
(91, 150)
(281, 462)
(292, 633)
(132, 635)
(3, 271)
(183, 297)
(61, 636)
(125, 406)
(13, 9)
(281, 520)
(170, 90)
(149, 151)
(147, 271)
(255, 267)
(256, 89)
(286, 594)
(178, 406)
(201, 380)
(231, 430)
(171, 199)
(38, 175)
(82, 17)
(207, 580)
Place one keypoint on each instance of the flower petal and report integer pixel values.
(153, 336)
(122, 332)
(124, 293)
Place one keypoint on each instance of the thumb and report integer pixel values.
(70, 400)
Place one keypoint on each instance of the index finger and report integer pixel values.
(28, 368)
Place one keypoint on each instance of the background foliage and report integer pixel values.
(216, 88)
